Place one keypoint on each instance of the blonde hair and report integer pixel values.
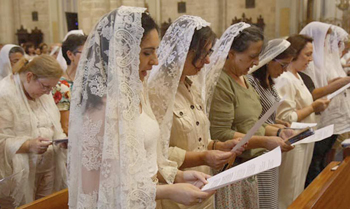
(43, 66)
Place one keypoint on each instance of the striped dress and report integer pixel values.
(268, 180)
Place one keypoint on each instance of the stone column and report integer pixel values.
(7, 26)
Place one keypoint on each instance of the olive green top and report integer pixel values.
(234, 108)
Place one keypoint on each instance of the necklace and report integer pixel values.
(67, 73)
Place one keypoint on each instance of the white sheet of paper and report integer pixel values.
(252, 167)
(319, 135)
(296, 125)
(257, 125)
(330, 96)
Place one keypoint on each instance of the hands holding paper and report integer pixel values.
(186, 189)
(274, 141)
(320, 105)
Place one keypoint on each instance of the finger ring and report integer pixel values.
(199, 200)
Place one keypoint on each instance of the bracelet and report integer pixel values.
(278, 132)
(213, 147)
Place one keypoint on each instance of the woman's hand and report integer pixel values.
(196, 178)
(229, 144)
(273, 141)
(216, 158)
(282, 122)
(183, 193)
(286, 133)
(38, 145)
(320, 105)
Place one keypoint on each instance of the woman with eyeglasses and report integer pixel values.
(274, 60)
(29, 121)
(235, 109)
(180, 97)
(71, 52)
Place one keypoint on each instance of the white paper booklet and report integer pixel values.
(252, 167)
(296, 125)
(257, 125)
(330, 96)
(319, 135)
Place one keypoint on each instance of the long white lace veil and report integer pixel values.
(272, 49)
(209, 76)
(334, 47)
(316, 69)
(107, 160)
(164, 78)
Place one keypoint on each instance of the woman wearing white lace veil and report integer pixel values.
(328, 76)
(113, 148)
(235, 108)
(10, 54)
(172, 91)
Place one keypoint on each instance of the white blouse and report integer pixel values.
(148, 131)
(296, 95)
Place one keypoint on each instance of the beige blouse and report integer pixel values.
(190, 132)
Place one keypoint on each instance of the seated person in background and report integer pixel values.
(9, 56)
(29, 121)
(72, 48)
(29, 50)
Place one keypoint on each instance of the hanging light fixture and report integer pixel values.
(343, 4)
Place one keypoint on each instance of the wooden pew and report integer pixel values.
(58, 200)
(330, 189)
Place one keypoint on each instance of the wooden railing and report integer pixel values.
(330, 189)
(58, 200)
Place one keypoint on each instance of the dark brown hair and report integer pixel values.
(260, 74)
(202, 38)
(246, 36)
(298, 42)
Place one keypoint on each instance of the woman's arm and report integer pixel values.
(330, 88)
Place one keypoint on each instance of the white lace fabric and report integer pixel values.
(164, 78)
(316, 69)
(271, 51)
(107, 160)
(207, 79)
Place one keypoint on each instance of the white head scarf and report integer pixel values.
(5, 64)
(209, 76)
(165, 77)
(316, 69)
(60, 59)
(271, 51)
(334, 47)
(107, 161)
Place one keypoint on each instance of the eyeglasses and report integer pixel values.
(205, 54)
(45, 88)
(283, 65)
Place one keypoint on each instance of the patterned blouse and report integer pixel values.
(62, 93)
